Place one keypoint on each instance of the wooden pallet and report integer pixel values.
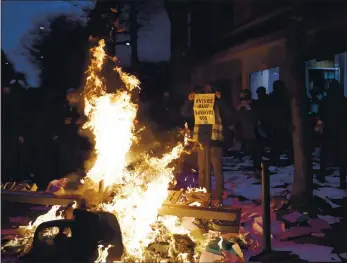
(179, 203)
(186, 198)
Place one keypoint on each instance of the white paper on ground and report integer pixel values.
(308, 252)
(332, 180)
(330, 219)
(253, 192)
(319, 194)
(277, 227)
(280, 179)
(330, 192)
(238, 250)
(314, 253)
(287, 170)
(209, 257)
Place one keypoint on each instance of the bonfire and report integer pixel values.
(138, 193)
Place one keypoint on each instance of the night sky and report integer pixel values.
(19, 17)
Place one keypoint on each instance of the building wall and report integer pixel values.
(237, 64)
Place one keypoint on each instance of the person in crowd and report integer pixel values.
(333, 128)
(317, 90)
(281, 139)
(249, 130)
(166, 114)
(168, 122)
(261, 94)
(12, 137)
(69, 139)
(209, 140)
(37, 147)
(52, 102)
(57, 185)
(261, 106)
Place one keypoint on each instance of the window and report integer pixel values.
(318, 75)
(264, 78)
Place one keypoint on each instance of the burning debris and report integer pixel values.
(24, 244)
(183, 248)
(132, 196)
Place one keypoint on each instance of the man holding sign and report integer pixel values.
(209, 115)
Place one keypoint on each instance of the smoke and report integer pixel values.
(21, 19)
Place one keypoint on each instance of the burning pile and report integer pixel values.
(139, 192)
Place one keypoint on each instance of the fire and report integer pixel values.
(29, 230)
(141, 192)
(102, 253)
(111, 119)
(187, 136)
(50, 215)
(137, 207)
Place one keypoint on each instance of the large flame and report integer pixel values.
(111, 119)
(138, 193)
(142, 191)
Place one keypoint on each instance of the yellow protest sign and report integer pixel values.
(204, 108)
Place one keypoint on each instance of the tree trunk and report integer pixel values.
(302, 184)
(134, 35)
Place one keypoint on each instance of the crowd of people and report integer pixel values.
(267, 123)
(41, 139)
(40, 135)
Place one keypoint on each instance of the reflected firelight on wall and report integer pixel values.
(264, 78)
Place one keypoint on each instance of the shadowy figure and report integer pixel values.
(281, 139)
(248, 130)
(166, 113)
(262, 108)
(69, 140)
(333, 116)
(12, 137)
(34, 150)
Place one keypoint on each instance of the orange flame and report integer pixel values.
(139, 192)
